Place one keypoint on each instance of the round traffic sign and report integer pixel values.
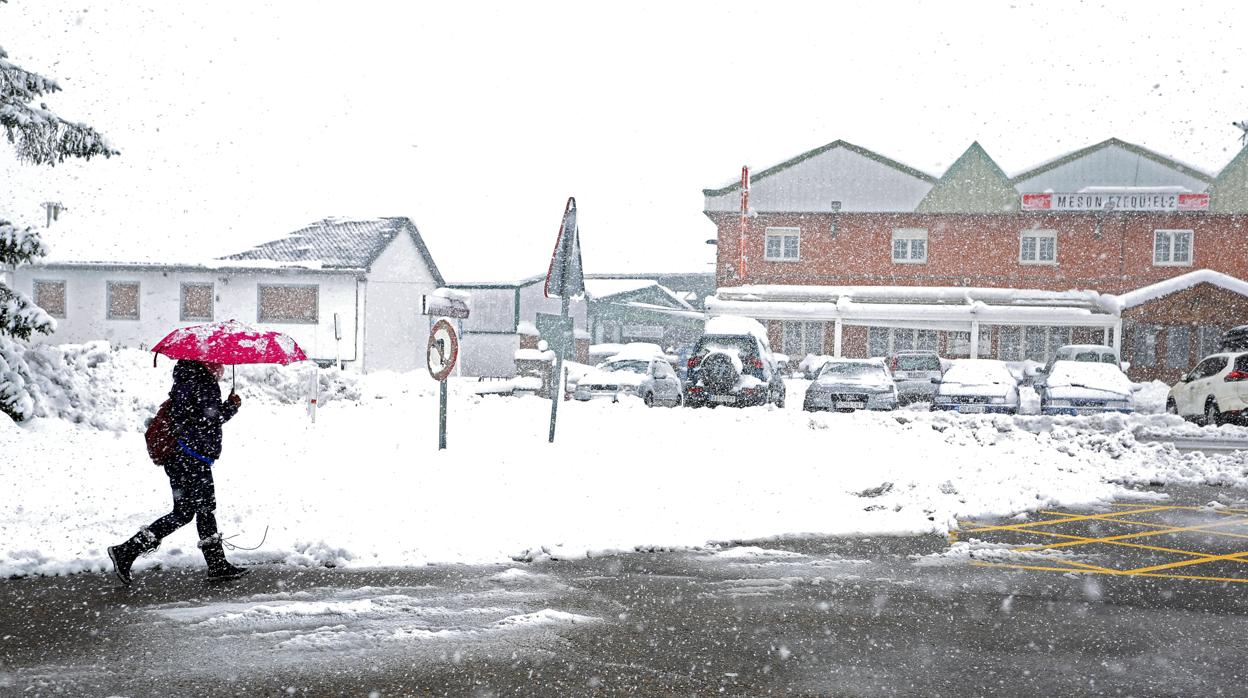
(442, 351)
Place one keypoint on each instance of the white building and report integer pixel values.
(340, 288)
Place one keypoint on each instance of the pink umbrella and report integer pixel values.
(230, 342)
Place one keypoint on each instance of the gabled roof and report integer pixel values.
(974, 183)
(341, 244)
(775, 169)
(1229, 192)
(1158, 158)
(1182, 282)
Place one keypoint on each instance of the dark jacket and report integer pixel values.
(197, 411)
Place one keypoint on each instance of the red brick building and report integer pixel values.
(851, 253)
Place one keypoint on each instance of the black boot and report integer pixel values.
(124, 555)
(214, 555)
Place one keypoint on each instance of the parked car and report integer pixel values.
(810, 365)
(732, 364)
(1090, 353)
(977, 386)
(846, 385)
(1215, 392)
(913, 372)
(650, 378)
(1234, 339)
(1083, 387)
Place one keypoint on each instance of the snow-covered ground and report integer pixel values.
(366, 486)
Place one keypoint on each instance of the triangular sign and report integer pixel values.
(566, 277)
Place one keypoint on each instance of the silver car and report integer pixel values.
(653, 380)
(846, 385)
(913, 372)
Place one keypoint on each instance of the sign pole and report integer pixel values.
(442, 416)
(556, 391)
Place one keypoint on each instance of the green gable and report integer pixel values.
(972, 184)
(1229, 192)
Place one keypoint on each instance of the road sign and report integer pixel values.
(557, 331)
(566, 276)
(442, 351)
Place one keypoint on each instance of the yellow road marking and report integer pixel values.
(1228, 516)
(1068, 519)
(1119, 573)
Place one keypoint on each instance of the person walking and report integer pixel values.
(196, 414)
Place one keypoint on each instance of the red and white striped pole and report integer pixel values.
(745, 211)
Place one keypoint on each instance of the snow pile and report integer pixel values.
(118, 389)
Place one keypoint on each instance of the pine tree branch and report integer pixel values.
(19, 317)
(44, 138)
(19, 245)
(22, 85)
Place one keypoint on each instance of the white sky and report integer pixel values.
(241, 121)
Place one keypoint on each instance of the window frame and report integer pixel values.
(34, 295)
(108, 301)
(212, 290)
(269, 321)
(1173, 346)
(1037, 234)
(909, 235)
(806, 331)
(1171, 233)
(781, 233)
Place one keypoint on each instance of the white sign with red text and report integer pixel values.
(1126, 201)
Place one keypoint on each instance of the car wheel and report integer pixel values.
(1172, 407)
(680, 400)
(780, 401)
(1213, 417)
(649, 399)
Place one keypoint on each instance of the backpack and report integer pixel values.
(161, 443)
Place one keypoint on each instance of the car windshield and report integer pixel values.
(841, 369)
(630, 365)
(917, 363)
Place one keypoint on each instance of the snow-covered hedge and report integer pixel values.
(118, 389)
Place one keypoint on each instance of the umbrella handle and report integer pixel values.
(232, 378)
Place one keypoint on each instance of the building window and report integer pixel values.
(1178, 342)
(958, 344)
(783, 244)
(1209, 338)
(802, 338)
(50, 295)
(910, 246)
(1172, 248)
(885, 341)
(1037, 247)
(1036, 343)
(1144, 346)
(123, 300)
(288, 303)
(197, 302)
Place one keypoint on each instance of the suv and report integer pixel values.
(732, 364)
(913, 372)
(1215, 392)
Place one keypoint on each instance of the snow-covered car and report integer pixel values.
(846, 385)
(1215, 392)
(649, 377)
(1083, 387)
(977, 386)
(732, 364)
(913, 372)
(1089, 353)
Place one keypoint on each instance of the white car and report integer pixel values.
(652, 379)
(1214, 392)
(1077, 387)
(845, 385)
(977, 386)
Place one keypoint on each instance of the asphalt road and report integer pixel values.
(867, 616)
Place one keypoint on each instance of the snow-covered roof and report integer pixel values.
(1111, 164)
(857, 178)
(339, 244)
(605, 288)
(1178, 283)
(911, 294)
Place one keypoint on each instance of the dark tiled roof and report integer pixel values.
(340, 244)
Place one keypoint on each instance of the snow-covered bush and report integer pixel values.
(16, 400)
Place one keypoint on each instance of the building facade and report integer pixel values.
(842, 250)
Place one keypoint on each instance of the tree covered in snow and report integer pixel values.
(40, 138)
